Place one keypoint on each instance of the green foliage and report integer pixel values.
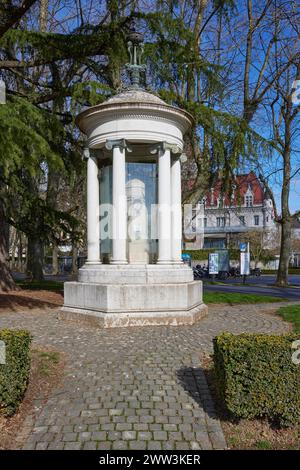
(291, 313)
(33, 141)
(233, 298)
(46, 361)
(256, 377)
(28, 136)
(91, 93)
(50, 47)
(263, 445)
(274, 271)
(14, 374)
(202, 255)
(41, 285)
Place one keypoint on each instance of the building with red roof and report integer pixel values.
(245, 208)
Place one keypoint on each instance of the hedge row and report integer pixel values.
(202, 255)
(256, 376)
(15, 372)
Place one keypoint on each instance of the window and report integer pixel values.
(256, 220)
(249, 201)
(216, 243)
(220, 221)
(242, 219)
(205, 222)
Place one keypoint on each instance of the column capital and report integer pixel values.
(89, 153)
(174, 149)
(110, 144)
(183, 158)
(86, 154)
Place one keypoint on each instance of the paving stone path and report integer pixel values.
(133, 388)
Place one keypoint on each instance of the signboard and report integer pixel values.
(243, 246)
(223, 260)
(186, 258)
(213, 263)
(245, 263)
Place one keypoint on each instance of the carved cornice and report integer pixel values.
(150, 111)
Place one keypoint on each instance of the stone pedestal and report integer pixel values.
(111, 296)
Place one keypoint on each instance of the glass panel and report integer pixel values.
(105, 212)
(141, 189)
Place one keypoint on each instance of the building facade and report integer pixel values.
(246, 209)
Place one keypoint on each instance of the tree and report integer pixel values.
(258, 240)
(45, 71)
(285, 120)
(11, 13)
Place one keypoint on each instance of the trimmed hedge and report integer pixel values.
(15, 372)
(274, 271)
(257, 378)
(202, 255)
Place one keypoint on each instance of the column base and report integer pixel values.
(118, 262)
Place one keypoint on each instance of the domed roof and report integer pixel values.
(135, 96)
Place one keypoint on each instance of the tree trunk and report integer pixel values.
(285, 246)
(44, 15)
(35, 259)
(286, 220)
(20, 253)
(55, 269)
(7, 282)
(13, 243)
(74, 259)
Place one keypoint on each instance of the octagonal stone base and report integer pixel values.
(119, 305)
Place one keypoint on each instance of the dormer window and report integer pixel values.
(220, 202)
(249, 201)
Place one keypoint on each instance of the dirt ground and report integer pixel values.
(22, 300)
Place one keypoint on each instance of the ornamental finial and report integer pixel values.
(136, 70)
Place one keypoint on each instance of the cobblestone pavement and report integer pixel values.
(133, 388)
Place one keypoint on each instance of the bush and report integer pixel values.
(15, 372)
(257, 378)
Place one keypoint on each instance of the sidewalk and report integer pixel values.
(134, 388)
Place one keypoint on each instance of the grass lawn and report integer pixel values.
(237, 298)
(291, 314)
(41, 285)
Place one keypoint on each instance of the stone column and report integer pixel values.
(93, 216)
(164, 205)
(119, 219)
(176, 215)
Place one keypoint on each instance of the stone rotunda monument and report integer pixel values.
(134, 274)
